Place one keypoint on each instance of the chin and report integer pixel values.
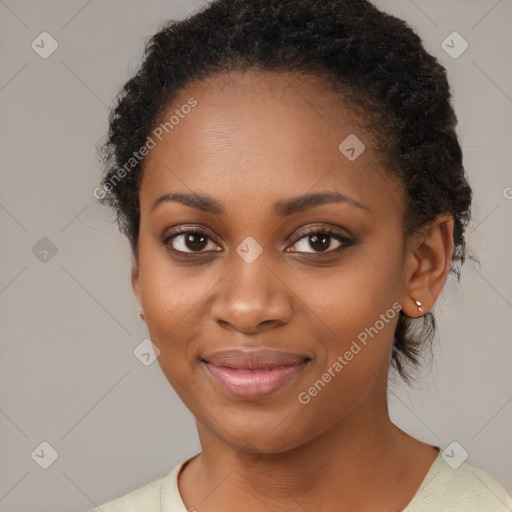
(259, 432)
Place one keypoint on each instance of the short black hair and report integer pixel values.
(376, 59)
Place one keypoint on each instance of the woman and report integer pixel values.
(291, 184)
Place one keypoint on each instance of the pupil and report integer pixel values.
(320, 242)
(191, 241)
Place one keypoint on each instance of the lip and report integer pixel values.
(249, 375)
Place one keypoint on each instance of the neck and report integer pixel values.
(360, 461)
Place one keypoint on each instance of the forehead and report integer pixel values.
(294, 89)
(261, 131)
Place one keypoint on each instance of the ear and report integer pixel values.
(427, 262)
(135, 281)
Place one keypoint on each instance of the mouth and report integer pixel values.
(250, 375)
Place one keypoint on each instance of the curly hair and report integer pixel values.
(374, 59)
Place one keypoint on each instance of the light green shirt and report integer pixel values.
(444, 489)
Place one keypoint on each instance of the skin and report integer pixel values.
(256, 138)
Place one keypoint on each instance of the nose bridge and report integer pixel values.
(251, 294)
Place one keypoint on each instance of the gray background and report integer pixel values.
(68, 375)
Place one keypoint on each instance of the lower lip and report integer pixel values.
(253, 384)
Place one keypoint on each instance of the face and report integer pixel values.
(271, 283)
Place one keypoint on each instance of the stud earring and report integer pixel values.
(141, 315)
(419, 304)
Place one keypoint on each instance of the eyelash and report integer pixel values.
(344, 241)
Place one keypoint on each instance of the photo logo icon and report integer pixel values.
(352, 147)
(146, 352)
(44, 455)
(454, 45)
(44, 45)
(249, 249)
(44, 249)
(454, 455)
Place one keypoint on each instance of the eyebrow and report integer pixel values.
(283, 208)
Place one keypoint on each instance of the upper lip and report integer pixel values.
(261, 359)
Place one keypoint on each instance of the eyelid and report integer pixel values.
(184, 230)
(320, 229)
(187, 229)
(345, 241)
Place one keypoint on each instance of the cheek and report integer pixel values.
(350, 297)
(167, 295)
(356, 307)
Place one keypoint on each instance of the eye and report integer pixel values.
(189, 241)
(321, 241)
(197, 241)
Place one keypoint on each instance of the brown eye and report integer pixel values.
(189, 241)
(321, 241)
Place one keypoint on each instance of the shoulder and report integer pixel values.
(461, 489)
(153, 497)
(145, 498)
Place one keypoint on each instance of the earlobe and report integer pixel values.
(428, 262)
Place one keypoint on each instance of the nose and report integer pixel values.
(252, 297)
